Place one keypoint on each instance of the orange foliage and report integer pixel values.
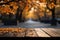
(6, 8)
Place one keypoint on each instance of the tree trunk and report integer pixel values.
(20, 16)
(53, 21)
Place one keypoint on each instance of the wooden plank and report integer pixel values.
(41, 33)
(52, 31)
(31, 33)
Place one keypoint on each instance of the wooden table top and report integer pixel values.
(29, 32)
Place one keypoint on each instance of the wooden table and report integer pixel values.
(29, 32)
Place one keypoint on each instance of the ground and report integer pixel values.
(31, 25)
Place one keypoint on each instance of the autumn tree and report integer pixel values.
(51, 6)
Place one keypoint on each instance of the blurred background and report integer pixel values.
(23, 10)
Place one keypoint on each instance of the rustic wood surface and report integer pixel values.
(29, 32)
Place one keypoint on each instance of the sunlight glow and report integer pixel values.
(37, 2)
(32, 9)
